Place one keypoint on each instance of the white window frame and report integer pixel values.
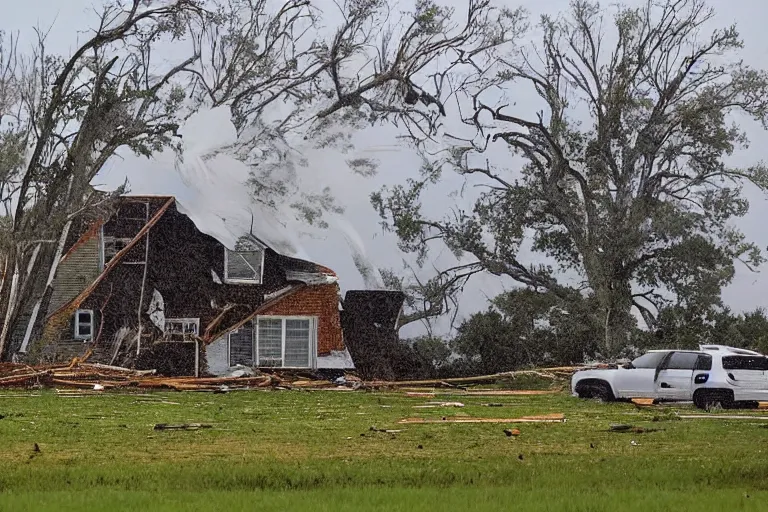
(313, 322)
(229, 280)
(183, 321)
(103, 249)
(79, 336)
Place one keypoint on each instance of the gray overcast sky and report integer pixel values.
(159, 177)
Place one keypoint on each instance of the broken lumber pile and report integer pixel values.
(82, 375)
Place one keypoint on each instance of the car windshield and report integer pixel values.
(649, 360)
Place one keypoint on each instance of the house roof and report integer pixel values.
(296, 269)
(116, 258)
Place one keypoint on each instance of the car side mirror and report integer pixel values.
(627, 366)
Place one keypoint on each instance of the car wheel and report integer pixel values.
(596, 390)
(713, 398)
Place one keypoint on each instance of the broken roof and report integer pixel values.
(296, 269)
(225, 198)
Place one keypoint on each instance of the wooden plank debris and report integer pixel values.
(81, 375)
(545, 418)
(721, 417)
(513, 392)
(559, 372)
(438, 404)
(385, 430)
(184, 426)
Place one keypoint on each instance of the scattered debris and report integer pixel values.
(81, 375)
(387, 431)
(722, 417)
(556, 373)
(439, 404)
(643, 402)
(184, 426)
(240, 371)
(631, 428)
(545, 418)
(512, 432)
(493, 405)
(513, 392)
(100, 377)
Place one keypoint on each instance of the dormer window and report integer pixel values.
(245, 264)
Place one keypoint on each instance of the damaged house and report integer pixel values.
(146, 288)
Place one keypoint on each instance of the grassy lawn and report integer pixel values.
(314, 450)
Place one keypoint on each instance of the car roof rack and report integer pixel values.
(733, 350)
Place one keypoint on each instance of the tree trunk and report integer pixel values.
(614, 297)
(615, 300)
(48, 284)
(8, 300)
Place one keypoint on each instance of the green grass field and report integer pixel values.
(314, 450)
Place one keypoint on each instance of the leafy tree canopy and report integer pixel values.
(622, 178)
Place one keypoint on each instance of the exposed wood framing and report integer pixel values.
(208, 338)
(116, 259)
(143, 281)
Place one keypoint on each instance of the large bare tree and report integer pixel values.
(281, 71)
(622, 177)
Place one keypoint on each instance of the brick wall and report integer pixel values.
(321, 301)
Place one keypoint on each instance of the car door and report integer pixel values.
(674, 380)
(637, 380)
(748, 375)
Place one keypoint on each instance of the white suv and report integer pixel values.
(714, 374)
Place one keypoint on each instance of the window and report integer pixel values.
(83, 324)
(277, 342)
(296, 348)
(244, 264)
(241, 343)
(649, 360)
(682, 361)
(270, 341)
(704, 362)
(182, 329)
(285, 342)
(756, 363)
(112, 246)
